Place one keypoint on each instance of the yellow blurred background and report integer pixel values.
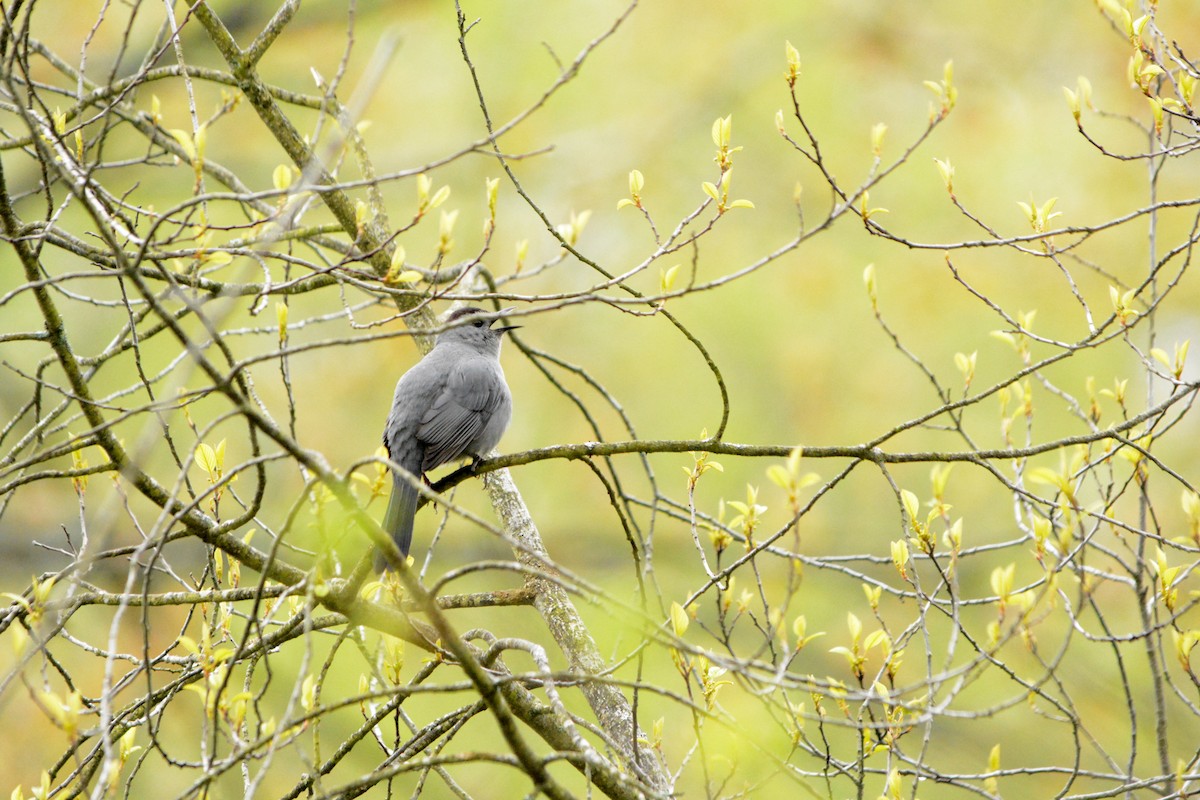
(802, 355)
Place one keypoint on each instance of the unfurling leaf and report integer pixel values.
(679, 619)
(184, 139)
(281, 178)
(878, 131)
(667, 278)
(912, 506)
(946, 170)
(793, 62)
(900, 555)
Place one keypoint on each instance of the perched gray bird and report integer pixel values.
(453, 403)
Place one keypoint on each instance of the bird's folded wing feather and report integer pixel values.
(472, 394)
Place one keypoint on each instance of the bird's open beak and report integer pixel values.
(505, 328)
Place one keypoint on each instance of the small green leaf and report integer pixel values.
(206, 458)
(779, 476)
(439, 197)
(185, 141)
(636, 182)
(912, 505)
(878, 131)
(667, 279)
(946, 170)
(679, 619)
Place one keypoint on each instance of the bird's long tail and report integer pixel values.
(398, 519)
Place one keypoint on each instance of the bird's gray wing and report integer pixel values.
(472, 394)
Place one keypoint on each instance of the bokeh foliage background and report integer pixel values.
(802, 354)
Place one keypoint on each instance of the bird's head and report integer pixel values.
(475, 327)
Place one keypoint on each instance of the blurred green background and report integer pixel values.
(796, 341)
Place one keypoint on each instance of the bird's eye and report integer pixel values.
(478, 323)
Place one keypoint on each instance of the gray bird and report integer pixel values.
(453, 403)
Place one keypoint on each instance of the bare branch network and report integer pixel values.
(203, 619)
